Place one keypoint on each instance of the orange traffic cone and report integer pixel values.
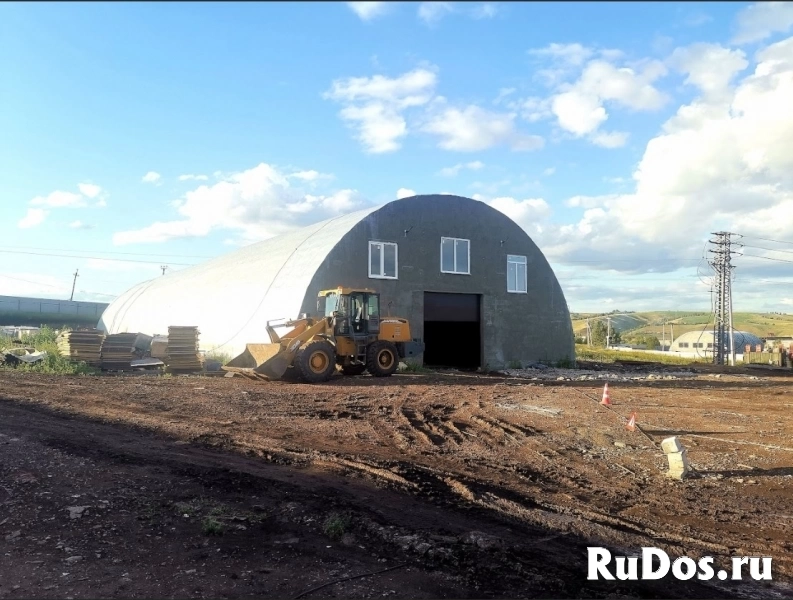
(606, 401)
(631, 426)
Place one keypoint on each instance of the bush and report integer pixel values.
(53, 364)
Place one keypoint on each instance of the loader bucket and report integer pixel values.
(270, 360)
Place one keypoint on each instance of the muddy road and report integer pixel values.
(462, 485)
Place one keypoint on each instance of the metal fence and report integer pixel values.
(12, 304)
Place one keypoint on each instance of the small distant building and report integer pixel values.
(700, 343)
(779, 341)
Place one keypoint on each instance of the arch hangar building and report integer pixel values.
(477, 291)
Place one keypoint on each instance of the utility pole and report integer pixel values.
(663, 335)
(74, 283)
(163, 267)
(722, 324)
(588, 334)
(608, 332)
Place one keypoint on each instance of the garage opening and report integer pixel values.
(452, 333)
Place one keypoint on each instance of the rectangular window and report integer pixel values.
(382, 260)
(455, 256)
(516, 274)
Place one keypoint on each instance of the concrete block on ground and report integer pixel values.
(671, 444)
(678, 464)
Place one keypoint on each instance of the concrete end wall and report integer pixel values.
(515, 327)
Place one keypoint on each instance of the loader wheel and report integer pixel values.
(382, 359)
(316, 361)
(353, 370)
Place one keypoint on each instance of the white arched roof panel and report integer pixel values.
(264, 281)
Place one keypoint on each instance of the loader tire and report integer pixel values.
(316, 361)
(382, 359)
(353, 370)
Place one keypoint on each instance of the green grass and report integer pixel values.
(335, 526)
(650, 322)
(414, 367)
(211, 526)
(54, 364)
(221, 357)
(609, 356)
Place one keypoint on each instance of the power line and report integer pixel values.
(764, 248)
(57, 287)
(154, 262)
(104, 252)
(767, 258)
(767, 240)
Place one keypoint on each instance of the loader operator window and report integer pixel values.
(357, 314)
(331, 304)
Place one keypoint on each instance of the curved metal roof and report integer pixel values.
(740, 338)
(266, 280)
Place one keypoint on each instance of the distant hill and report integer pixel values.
(679, 322)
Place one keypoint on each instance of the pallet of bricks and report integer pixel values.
(182, 355)
(118, 351)
(82, 345)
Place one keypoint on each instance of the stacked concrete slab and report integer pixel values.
(677, 457)
(182, 354)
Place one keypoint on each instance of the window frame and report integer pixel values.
(454, 245)
(382, 274)
(525, 264)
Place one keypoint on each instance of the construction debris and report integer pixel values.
(118, 351)
(677, 457)
(82, 345)
(182, 354)
(159, 347)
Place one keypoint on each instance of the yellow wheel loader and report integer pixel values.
(348, 332)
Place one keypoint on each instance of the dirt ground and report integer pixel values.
(437, 485)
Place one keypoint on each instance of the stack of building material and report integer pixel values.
(118, 351)
(82, 345)
(159, 347)
(182, 351)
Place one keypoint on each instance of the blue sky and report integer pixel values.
(617, 134)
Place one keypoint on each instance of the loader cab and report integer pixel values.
(355, 313)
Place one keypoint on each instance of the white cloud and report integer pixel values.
(151, 177)
(572, 54)
(610, 139)
(709, 67)
(60, 199)
(528, 213)
(453, 171)
(580, 107)
(193, 178)
(761, 20)
(723, 160)
(89, 190)
(309, 175)
(486, 10)
(33, 218)
(432, 12)
(405, 193)
(257, 203)
(549, 171)
(375, 106)
(367, 11)
(80, 225)
(473, 129)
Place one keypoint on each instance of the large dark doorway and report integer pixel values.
(452, 334)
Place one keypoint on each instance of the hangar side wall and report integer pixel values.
(522, 327)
